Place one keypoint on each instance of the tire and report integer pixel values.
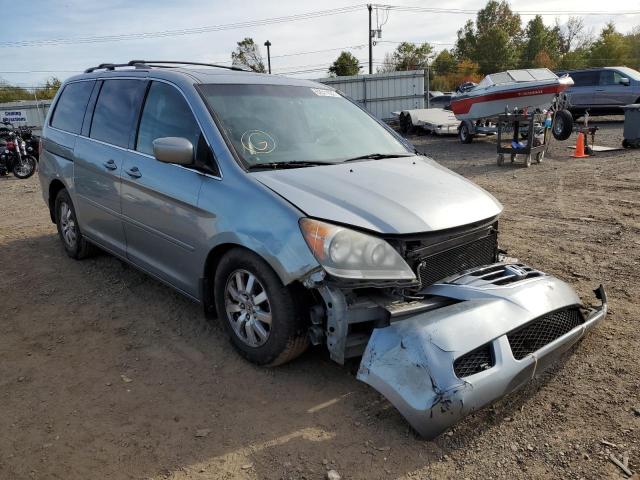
(539, 157)
(286, 334)
(562, 127)
(626, 144)
(25, 168)
(73, 241)
(464, 134)
(527, 161)
(406, 125)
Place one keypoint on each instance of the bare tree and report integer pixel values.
(572, 34)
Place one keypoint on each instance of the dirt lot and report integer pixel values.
(105, 373)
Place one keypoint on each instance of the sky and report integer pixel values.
(58, 38)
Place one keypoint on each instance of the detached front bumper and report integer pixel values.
(415, 362)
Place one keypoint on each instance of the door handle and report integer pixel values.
(110, 165)
(134, 172)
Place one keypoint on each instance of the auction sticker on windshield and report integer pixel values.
(321, 92)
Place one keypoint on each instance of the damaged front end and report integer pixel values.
(465, 328)
(507, 324)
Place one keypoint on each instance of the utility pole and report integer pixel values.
(370, 8)
(268, 45)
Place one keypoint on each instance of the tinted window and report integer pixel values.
(610, 77)
(115, 109)
(166, 114)
(70, 108)
(585, 79)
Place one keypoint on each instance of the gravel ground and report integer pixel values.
(105, 373)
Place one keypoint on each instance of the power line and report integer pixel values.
(180, 32)
(403, 8)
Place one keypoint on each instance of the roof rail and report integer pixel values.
(160, 64)
(167, 63)
(109, 66)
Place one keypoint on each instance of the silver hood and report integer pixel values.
(397, 195)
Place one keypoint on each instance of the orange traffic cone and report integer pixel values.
(580, 147)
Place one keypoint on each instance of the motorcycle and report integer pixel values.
(32, 141)
(14, 156)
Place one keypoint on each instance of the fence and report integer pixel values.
(383, 93)
(28, 112)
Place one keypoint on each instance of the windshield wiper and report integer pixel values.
(276, 165)
(377, 156)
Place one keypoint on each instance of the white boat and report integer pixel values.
(514, 89)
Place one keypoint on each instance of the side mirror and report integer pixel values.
(624, 81)
(176, 150)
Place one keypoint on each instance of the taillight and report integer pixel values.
(10, 145)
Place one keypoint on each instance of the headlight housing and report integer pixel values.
(349, 254)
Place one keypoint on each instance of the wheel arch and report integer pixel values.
(54, 188)
(288, 272)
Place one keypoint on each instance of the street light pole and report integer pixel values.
(370, 42)
(268, 45)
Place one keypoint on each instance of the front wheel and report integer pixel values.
(25, 167)
(264, 322)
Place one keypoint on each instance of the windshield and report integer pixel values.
(272, 124)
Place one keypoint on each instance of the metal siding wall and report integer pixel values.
(35, 113)
(385, 92)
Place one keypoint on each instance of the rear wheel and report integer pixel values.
(74, 243)
(264, 322)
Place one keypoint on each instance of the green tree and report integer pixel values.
(466, 43)
(633, 42)
(345, 64)
(611, 48)
(248, 55)
(407, 56)
(541, 46)
(494, 41)
(574, 60)
(445, 63)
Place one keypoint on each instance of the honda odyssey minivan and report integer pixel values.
(297, 218)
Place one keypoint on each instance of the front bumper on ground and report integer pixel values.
(411, 362)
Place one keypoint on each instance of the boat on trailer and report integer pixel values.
(533, 88)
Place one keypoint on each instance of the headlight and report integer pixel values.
(346, 253)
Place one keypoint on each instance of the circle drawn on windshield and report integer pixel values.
(258, 142)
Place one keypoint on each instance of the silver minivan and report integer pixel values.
(298, 218)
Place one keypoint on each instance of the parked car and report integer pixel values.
(602, 91)
(299, 218)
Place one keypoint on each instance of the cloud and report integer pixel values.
(77, 18)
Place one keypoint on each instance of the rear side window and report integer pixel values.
(69, 111)
(166, 114)
(115, 110)
(585, 79)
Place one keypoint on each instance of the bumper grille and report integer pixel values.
(542, 331)
(475, 361)
(457, 259)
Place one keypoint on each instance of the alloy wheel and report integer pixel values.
(248, 308)
(68, 225)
